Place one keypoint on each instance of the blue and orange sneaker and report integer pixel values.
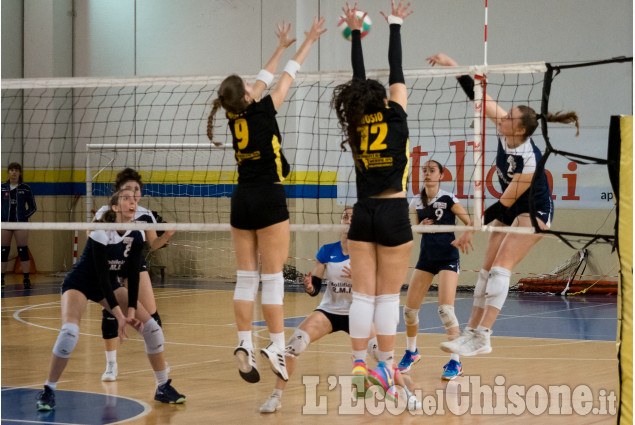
(409, 359)
(451, 370)
(383, 378)
(360, 379)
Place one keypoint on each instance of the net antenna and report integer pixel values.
(567, 236)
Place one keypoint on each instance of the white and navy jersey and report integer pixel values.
(338, 296)
(437, 246)
(522, 160)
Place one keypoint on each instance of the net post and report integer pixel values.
(479, 139)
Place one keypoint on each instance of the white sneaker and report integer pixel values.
(470, 343)
(272, 405)
(276, 360)
(111, 372)
(247, 364)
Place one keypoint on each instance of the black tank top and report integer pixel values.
(256, 140)
(383, 156)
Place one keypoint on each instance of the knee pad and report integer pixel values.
(497, 287)
(246, 285)
(387, 314)
(66, 340)
(23, 253)
(361, 315)
(157, 318)
(272, 288)
(297, 343)
(153, 337)
(109, 325)
(410, 316)
(448, 318)
(479, 289)
(5, 253)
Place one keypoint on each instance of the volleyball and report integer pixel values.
(346, 31)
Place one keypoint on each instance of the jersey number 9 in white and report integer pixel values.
(242, 133)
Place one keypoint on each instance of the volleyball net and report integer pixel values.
(72, 136)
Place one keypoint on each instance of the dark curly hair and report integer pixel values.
(351, 101)
(127, 175)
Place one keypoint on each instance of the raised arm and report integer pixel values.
(493, 111)
(396, 80)
(356, 24)
(265, 76)
(281, 89)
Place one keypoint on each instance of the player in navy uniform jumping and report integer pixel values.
(516, 161)
(438, 255)
(380, 236)
(108, 254)
(259, 216)
(131, 180)
(332, 266)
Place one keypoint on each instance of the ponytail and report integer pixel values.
(210, 120)
(565, 118)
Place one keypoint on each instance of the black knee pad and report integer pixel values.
(109, 325)
(157, 318)
(5, 253)
(23, 253)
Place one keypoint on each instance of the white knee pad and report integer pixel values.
(479, 289)
(297, 343)
(497, 287)
(387, 314)
(272, 288)
(448, 318)
(361, 313)
(246, 285)
(66, 340)
(410, 316)
(153, 337)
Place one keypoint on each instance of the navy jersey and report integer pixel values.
(256, 140)
(383, 156)
(338, 296)
(437, 246)
(523, 160)
(118, 251)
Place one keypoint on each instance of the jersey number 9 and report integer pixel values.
(242, 133)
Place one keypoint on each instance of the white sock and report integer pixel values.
(359, 355)
(411, 343)
(111, 356)
(161, 376)
(482, 328)
(276, 392)
(454, 357)
(277, 339)
(51, 385)
(386, 357)
(244, 338)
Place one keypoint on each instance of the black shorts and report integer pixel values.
(339, 322)
(434, 267)
(257, 207)
(384, 221)
(91, 290)
(544, 211)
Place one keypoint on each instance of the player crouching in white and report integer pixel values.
(332, 266)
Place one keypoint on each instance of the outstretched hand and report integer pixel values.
(350, 16)
(282, 32)
(400, 11)
(441, 59)
(316, 29)
(464, 243)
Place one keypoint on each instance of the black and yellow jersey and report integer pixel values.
(256, 141)
(383, 156)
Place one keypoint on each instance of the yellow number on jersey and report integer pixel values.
(242, 133)
(378, 144)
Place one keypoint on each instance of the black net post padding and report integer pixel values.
(613, 155)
